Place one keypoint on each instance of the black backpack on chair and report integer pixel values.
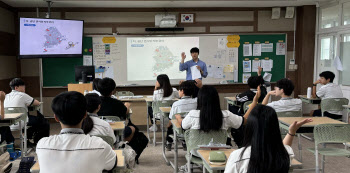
(138, 143)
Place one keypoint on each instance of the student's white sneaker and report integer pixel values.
(153, 128)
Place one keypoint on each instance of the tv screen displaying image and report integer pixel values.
(41, 38)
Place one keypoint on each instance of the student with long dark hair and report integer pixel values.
(209, 116)
(93, 125)
(263, 150)
(162, 91)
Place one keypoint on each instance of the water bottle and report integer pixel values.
(309, 92)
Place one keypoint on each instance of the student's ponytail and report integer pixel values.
(87, 125)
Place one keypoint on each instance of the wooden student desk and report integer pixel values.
(13, 118)
(304, 98)
(204, 154)
(80, 87)
(120, 164)
(165, 114)
(177, 130)
(309, 127)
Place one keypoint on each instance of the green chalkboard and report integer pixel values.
(278, 70)
(58, 72)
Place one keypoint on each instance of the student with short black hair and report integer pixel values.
(18, 98)
(186, 103)
(95, 86)
(111, 106)
(201, 66)
(72, 150)
(162, 91)
(284, 88)
(328, 90)
(93, 125)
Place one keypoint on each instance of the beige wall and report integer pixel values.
(8, 68)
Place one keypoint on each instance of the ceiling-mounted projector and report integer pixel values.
(165, 20)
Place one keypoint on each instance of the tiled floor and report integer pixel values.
(152, 160)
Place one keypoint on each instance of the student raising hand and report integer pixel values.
(293, 129)
(257, 95)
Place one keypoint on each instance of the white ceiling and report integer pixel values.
(160, 3)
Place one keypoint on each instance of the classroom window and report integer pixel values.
(345, 58)
(330, 17)
(325, 48)
(346, 13)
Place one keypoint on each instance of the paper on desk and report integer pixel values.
(247, 66)
(245, 77)
(267, 77)
(196, 74)
(247, 49)
(257, 50)
(109, 72)
(256, 64)
(337, 64)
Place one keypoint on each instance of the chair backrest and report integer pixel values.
(194, 137)
(111, 118)
(125, 93)
(332, 133)
(333, 104)
(245, 105)
(107, 139)
(290, 114)
(157, 104)
(15, 110)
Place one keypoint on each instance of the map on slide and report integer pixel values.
(165, 59)
(54, 37)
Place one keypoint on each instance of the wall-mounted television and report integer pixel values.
(45, 38)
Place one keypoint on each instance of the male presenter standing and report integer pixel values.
(195, 68)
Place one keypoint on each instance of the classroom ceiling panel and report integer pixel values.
(159, 3)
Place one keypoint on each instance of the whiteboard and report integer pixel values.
(213, 51)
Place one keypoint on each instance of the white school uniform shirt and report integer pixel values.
(158, 95)
(286, 104)
(101, 127)
(191, 121)
(73, 151)
(185, 104)
(236, 164)
(99, 94)
(18, 99)
(330, 90)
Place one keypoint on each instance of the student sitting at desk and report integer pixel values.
(283, 88)
(95, 88)
(162, 91)
(5, 131)
(18, 98)
(185, 104)
(263, 149)
(209, 116)
(110, 106)
(253, 83)
(93, 125)
(328, 90)
(72, 150)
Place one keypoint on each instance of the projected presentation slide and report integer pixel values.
(147, 57)
(50, 36)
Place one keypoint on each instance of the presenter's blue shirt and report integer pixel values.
(187, 66)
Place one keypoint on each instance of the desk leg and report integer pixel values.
(175, 152)
(148, 124)
(163, 141)
(25, 139)
(300, 149)
(154, 132)
(22, 138)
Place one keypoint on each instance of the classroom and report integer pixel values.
(175, 86)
